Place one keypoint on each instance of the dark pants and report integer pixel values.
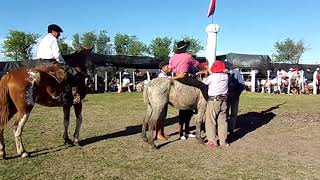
(191, 81)
(232, 110)
(72, 75)
(184, 119)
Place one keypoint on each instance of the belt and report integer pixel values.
(53, 61)
(218, 98)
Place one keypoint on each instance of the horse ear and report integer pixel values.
(92, 47)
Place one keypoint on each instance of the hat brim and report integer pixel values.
(186, 45)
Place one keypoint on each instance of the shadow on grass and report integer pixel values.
(49, 150)
(251, 121)
(44, 151)
(130, 130)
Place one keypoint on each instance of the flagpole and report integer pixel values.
(212, 31)
(211, 19)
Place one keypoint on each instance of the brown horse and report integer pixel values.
(20, 89)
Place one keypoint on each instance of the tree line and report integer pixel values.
(18, 45)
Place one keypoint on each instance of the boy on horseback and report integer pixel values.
(49, 53)
(182, 63)
(184, 66)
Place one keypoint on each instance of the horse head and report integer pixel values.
(80, 60)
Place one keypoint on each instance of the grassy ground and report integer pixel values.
(277, 138)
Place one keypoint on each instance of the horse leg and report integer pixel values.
(2, 146)
(12, 111)
(151, 137)
(155, 115)
(19, 124)
(66, 118)
(145, 123)
(77, 111)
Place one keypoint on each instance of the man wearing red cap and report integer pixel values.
(216, 117)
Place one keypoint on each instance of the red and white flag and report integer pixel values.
(212, 7)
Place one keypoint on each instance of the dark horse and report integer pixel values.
(21, 88)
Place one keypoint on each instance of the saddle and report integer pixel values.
(61, 76)
(55, 71)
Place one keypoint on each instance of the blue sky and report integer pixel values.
(246, 26)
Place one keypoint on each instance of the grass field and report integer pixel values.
(278, 137)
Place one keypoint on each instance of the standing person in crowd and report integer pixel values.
(126, 80)
(164, 69)
(184, 115)
(236, 87)
(308, 76)
(164, 72)
(315, 81)
(216, 118)
(280, 75)
(181, 63)
(49, 53)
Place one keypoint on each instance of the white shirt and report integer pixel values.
(49, 49)
(291, 74)
(217, 84)
(315, 76)
(163, 74)
(125, 81)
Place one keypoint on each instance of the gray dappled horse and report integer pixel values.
(160, 92)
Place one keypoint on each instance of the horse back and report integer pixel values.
(53, 70)
(185, 97)
(37, 86)
(168, 91)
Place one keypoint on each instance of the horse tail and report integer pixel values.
(4, 101)
(147, 102)
(148, 113)
(145, 95)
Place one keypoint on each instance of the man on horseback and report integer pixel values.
(49, 53)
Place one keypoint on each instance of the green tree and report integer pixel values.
(136, 47)
(103, 43)
(160, 47)
(76, 41)
(128, 45)
(88, 39)
(18, 45)
(121, 42)
(195, 44)
(289, 51)
(64, 47)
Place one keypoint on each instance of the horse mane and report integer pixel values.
(68, 57)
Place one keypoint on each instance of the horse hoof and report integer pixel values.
(2, 156)
(145, 139)
(25, 154)
(76, 141)
(155, 147)
(68, 142)
(201, 142)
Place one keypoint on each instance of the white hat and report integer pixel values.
(291, 69)
(317, 69)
